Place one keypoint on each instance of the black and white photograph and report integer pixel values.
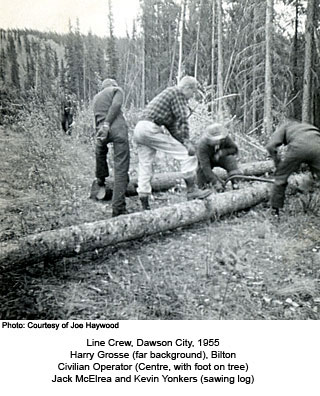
(160, 162)
(159, 195)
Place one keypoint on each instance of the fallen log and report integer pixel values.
(70, 241)
(165, 181)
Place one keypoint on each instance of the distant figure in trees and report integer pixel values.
(111, 127)
(303, 146)
(168, 111)
(67, 113)
(216, 149)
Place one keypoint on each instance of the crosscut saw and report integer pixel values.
(249, 178)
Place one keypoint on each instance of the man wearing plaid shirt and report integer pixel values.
(169, 109)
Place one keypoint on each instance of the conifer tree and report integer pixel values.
(13, 60)
(62, 78)
(220, 89)
(306, 101)
(268, 69)
(74, 65)
(30, 75)
(55, 65)
(112, 58)
(3, 65)
(91, 66)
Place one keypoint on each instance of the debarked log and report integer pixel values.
(70, 241)
(165, 181)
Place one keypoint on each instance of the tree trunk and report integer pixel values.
(143, 71)
(295, 69)
(165, 181)
(220, 62)
(173, 58)
(306, 101)
(70, 241)
(183, 11)
(254, 70)
(245, 101)
(268, 71)
(84, 73)
(197, 43)
(213, 43)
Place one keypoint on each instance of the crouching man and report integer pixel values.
(216, 149)
(303, 146)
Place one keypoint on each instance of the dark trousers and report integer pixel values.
(67, 120)
(295, 156)
(229, 163)
(118, 135)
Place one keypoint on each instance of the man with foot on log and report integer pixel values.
(111, 127)
(216, 149)
(303, 146)
(167, 110)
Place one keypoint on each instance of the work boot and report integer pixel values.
(196, 193)
(116, 213)
(145, 203)
(193, 192)
(100, 181)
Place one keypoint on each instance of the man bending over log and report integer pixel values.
(303, 146)
(111, 127)
(167, 110)
(216, 149)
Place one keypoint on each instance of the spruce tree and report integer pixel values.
(112, 58)
(13, 60)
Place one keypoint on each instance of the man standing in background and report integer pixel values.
(67, 115)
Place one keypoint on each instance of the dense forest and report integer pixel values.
(256, 61)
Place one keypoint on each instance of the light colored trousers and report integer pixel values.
(150, 138)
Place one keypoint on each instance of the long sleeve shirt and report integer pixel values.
(294, 134)
(206, 153)
(107, 105)
(170, 108)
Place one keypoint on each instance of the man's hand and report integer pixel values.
(103, 131)
(191, 150)
(217, 155)
(219, 186)
(216, 186)
(277, 160)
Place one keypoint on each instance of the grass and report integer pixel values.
(244, 266)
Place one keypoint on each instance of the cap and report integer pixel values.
(108, 82)
(216, 131)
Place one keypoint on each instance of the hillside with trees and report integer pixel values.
(257, 61)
